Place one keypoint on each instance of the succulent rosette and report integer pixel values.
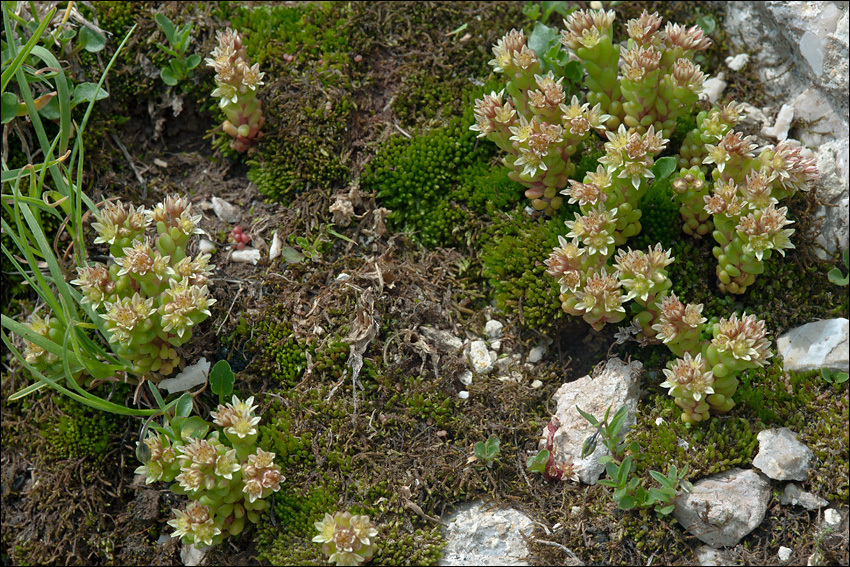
(347, 539)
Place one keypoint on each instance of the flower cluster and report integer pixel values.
(532, 123)
(737, 204)
(237, 83)
(347, 539)
(228, 482)
(637, 97)
(659, 81)
(707, 379)
(152, 296)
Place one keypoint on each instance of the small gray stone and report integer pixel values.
(536, 354)
(785, 553)
(733, 503)
(793, 495)
(480, 357)
(479, 535)
(832, 518)
(443, 340)
(822, 344)
(493, 329)
(781, 456)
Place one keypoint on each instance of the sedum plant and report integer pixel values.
(228, 481)
(237, 81)
(347, 539)
(153, 295)
(638, 93)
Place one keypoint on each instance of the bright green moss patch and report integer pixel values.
(723, 443)
(512, 258)
(439, 183)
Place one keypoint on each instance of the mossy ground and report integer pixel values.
(376, 102)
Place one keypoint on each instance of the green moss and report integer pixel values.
(280, 354)
(78, 431)
(439, 183)
(723, 443)
(660, 220)
(512, 258)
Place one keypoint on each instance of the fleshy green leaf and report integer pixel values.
(193, 60)
(91, 40)
(9, 108)
(664, 167)
(166, 26)
(627, 502)
(222, 379)
(87, 92)
(537, 463)
(167, 76)
(542, 39)
(184, 405)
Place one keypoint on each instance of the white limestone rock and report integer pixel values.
(536, 354)
(785, 553)
(443, 340)
(493, 329)
(618, 384)
(782, 456)
(833, 189)
(796, 497)
(734, 502)
(479, 535)
(480, 357)
(821, 344)
(225, 211)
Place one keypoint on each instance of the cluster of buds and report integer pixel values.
(237, 81)
(152, 296)
(46, 362)
(228, 482)
(704, 378)
(347, 539)
(532, 123)
(738, 206)
(608, 201)
(659, 81)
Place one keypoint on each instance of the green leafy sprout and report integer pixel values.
(487, 451)
(180, 66)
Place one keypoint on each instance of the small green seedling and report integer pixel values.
(537, 463)
(222, 379)
(180, 67)
(487, 451)
(835, 275)
(834, 377)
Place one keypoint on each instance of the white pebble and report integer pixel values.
(832, 517)
(466, 378)
(225, 211)
(738, 62)
(536, 384)
(463, 395)
(246, 255)
(784, 553)
(206, 246)
(712, 89)
(493, 329)
(276, 247)
(536, 354)
(780, 128)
